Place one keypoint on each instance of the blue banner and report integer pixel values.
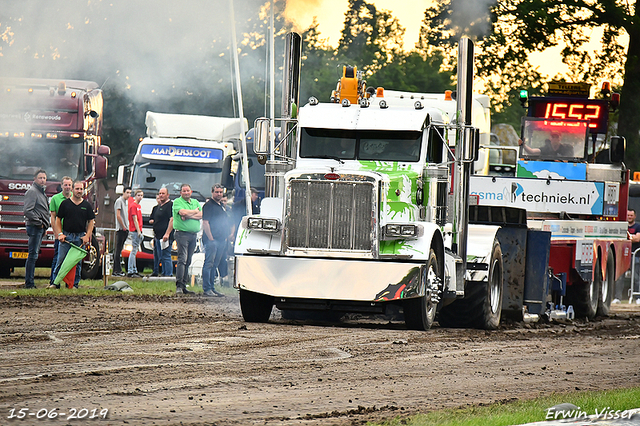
(170, 152)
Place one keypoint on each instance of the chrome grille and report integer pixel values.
(11, 208)
(14, 235)
(330, 215)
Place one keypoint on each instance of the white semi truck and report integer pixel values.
(367, 206)
(179, 149)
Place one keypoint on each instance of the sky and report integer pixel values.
(330, 16)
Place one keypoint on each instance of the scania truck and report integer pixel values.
(54, 125)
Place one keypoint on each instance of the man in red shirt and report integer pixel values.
(135, 233)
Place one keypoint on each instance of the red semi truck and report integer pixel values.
(55, 125)
(571, 178)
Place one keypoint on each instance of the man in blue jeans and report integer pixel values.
(216, 230)
(162, 221)
(36, 213)
(54, 205)
(78, 223)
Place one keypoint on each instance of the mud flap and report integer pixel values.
(536, 285)
(525, 256)
(513, 241)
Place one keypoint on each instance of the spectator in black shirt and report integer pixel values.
(77, 226)
(162, 221)
(216, 231)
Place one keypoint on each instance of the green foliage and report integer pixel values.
(369, 36)
(414, 73)
(320, 66)
(507, 31)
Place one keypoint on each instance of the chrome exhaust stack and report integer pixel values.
(464, 148)
(286, 152)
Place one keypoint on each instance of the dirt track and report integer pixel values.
(191, 360)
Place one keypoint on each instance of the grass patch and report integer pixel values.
(519, 412)
(95, 287)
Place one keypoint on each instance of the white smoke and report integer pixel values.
(148, 48)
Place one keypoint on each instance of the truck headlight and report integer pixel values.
(408, 230)
(263, 224)
(270, 224)
(394, 230)
(254, 223)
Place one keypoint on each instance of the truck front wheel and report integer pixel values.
(419, 313)
(481, 306)
(255, 307)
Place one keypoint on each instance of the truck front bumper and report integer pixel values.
(330, 279)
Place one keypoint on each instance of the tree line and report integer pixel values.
(505, 32)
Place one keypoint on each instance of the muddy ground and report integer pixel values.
(192, 360)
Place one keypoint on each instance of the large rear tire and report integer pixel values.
(255, 307)
(481, 306)
(607, 286)
(584, 296)
(419, 313)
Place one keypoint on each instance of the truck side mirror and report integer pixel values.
(261, 136)
(476, 144)
(617, 149)
(227, 178)
(471, 148)
(120, 178)
(101, 164)
(104, 150)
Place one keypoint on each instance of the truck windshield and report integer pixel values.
(256, 173)
(21, 158)
(376, 145)
(546, 139)
(150, 177)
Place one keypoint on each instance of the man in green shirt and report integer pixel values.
(186, 222)
(54, 205)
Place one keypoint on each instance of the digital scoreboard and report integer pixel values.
(594, 110)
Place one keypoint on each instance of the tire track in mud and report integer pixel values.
(192, 361)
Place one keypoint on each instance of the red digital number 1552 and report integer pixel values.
(577, 111)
